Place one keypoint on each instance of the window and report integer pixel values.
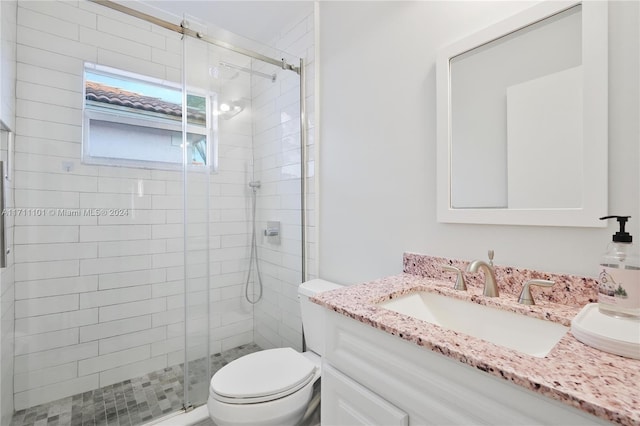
(133, 120)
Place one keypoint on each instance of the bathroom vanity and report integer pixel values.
(386, 368)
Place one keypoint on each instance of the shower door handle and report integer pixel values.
(3, 223)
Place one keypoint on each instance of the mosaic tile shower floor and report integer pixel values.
(129, 403)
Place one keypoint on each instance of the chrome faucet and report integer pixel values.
(490, 285)
(460, 284)
(525, 295)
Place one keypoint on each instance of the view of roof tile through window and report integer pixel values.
(102, 93)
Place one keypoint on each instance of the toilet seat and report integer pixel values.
(262, 376)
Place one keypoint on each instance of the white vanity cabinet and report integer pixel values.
(372, 377)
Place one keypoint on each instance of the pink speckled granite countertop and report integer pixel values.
(605, 385)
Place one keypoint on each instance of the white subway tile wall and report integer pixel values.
(277, 319)
(99, 299)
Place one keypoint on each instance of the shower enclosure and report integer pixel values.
(254, 179)
(165, 177)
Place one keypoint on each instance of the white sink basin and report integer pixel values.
(529, 335)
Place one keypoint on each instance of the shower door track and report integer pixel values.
(184, 30)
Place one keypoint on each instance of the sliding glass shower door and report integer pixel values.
(243, 231)
(198, 164)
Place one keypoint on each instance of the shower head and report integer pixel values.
(223, 72)
(230, 67)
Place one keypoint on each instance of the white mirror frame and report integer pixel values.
(595, 122)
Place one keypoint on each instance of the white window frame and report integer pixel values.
(94, 111)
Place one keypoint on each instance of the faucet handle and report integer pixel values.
(460, 284)
(490, 254)
(526, 298)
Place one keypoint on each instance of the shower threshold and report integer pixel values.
(129, 403)
(197, 417)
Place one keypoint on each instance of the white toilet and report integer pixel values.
(274, 386)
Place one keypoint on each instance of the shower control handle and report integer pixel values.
(272, 232)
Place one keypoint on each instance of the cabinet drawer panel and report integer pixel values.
(346, 402)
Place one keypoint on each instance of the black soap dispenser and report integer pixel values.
(619, 279)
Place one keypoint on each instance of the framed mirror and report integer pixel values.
(522, 120)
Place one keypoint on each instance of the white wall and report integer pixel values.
(377, 166)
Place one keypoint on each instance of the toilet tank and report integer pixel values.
(312, 314)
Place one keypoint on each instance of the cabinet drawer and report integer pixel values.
(346, 402)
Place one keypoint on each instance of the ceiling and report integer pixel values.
(256, 20)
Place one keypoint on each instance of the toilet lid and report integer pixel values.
(264, 375)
